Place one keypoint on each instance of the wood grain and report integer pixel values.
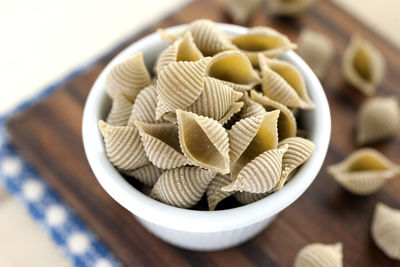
(49, 135)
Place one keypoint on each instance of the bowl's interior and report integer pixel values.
(316, 123)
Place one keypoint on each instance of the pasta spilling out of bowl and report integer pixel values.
(216, 120)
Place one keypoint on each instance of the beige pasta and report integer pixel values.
(247, 198)
(364, 171)
(147, 174)
(234, 69)
(320, 255)
(242, 10)
(287, 126)
(378, 119)
(179, 85)
(251, 137)
(299, 150)
(214, 192)
(120, 111)
(161, 143)
(261, 175)
(128, 77)
(203, 141)
(282, 82)
(317, 50)
(264, 40)
(123, 146)
(183, 49)
(385, 230)
(363, 65)
(251, 108)
(182, 187)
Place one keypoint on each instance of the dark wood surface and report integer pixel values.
(49, 136)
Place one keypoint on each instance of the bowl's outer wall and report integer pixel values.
(159, 217)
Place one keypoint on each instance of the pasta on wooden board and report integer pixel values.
(320, 255)
(241, 10)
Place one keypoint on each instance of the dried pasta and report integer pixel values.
(128, 77)
(364, 171)
(251, 108)
(214, 192)
(241, 10)
(288, 8)
(264, 40)
(363, 65)
(385, 230)
(120, 111)
(147, 174)
(378, 119)
(317, 50)
(247, 198)
(320, 255)
(182, 187)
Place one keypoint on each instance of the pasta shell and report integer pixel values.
(283, 83)
(208, 37)
(183, 49)
(299, 150)
(363, 65)
(260, 175)
(182, 187)
(161, 143)
(123, 146)
(147, 174)
(264, 40)
(144, 108)
(251, 108)
(247, 198)
(317, 50)
(364, 171)
(180, 84)
(128, 77)
(385, 230)
(251, 137)
(241, 10)
(233, 68)
(170, 37)
(287, 126)
(214, 192)
(320, 255)
(203, 141)
(378, 119)
(120, 111)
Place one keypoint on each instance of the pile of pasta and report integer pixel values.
(217, 119)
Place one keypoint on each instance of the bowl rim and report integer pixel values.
(194, 220)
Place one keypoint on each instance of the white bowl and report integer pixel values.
(192, 229)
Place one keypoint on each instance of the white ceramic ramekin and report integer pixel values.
(191, 229)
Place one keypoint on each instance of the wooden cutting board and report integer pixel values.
(49, 136)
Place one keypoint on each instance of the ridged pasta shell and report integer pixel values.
(161, 143)
(147, 174)
(264, 40)
(320, 255)
(317, 50)
(240, 11)
(260, 175)
(214, 192)
(144, 108)
(203, 141)
(287, 126)
(128, 77)
(120, 111)
(170, 37)
(251, 137)
(182, 187)
(208, 37)
(251, 108)
(123, 146)
(183, 49)
(283, 83)
(299, 150)
(180, 84)
(247, 198)
(385, 230)
(363, 65)
(378, 119)
(364, 171)
(234, 69)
